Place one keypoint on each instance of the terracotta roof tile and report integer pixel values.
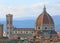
(25, 29)
(44, 18)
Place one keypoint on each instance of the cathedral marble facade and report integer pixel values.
(44, 27)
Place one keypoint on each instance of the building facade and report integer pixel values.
(1, 30)
(23, 32)
(44, 27)
(17, 32)
(9, 25)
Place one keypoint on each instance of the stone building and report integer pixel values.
(43, 32)
(44, 27)
(14, 32)
(5, 39)
(9, 24)
(1, 30)
(23, 32)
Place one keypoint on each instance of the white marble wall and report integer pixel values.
(42, 27)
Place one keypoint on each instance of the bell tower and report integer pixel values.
(9, 18)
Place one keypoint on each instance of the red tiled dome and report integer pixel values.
(44, 18)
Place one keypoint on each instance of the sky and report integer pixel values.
(23, 9)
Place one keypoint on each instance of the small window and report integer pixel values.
(38, 27)
(45, 27)
(50, 36)
(15, 32)
(7, 22)
(7, 32)
(21, 32)
(51, 27)
(32, 32)
(26, 32)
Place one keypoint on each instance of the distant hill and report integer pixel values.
(57, 22)
(24, 23)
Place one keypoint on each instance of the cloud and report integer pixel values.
(25, 11)
(30, 10)
(53, 11)
(20, 11)
(58, 4)
(39, 4)
(17, 11)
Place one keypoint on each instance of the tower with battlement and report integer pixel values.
(8, 24)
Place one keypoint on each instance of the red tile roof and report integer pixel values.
(44, 18)
(25, 29)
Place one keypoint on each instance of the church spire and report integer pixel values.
(44, 9)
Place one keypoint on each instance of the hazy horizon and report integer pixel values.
(30, 23)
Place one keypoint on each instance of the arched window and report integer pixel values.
(32, 32)
(26, 32)
(7, 32)
(38, 27)
(21, 32)
(45, 27)
(50, 36)
(7, 22)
